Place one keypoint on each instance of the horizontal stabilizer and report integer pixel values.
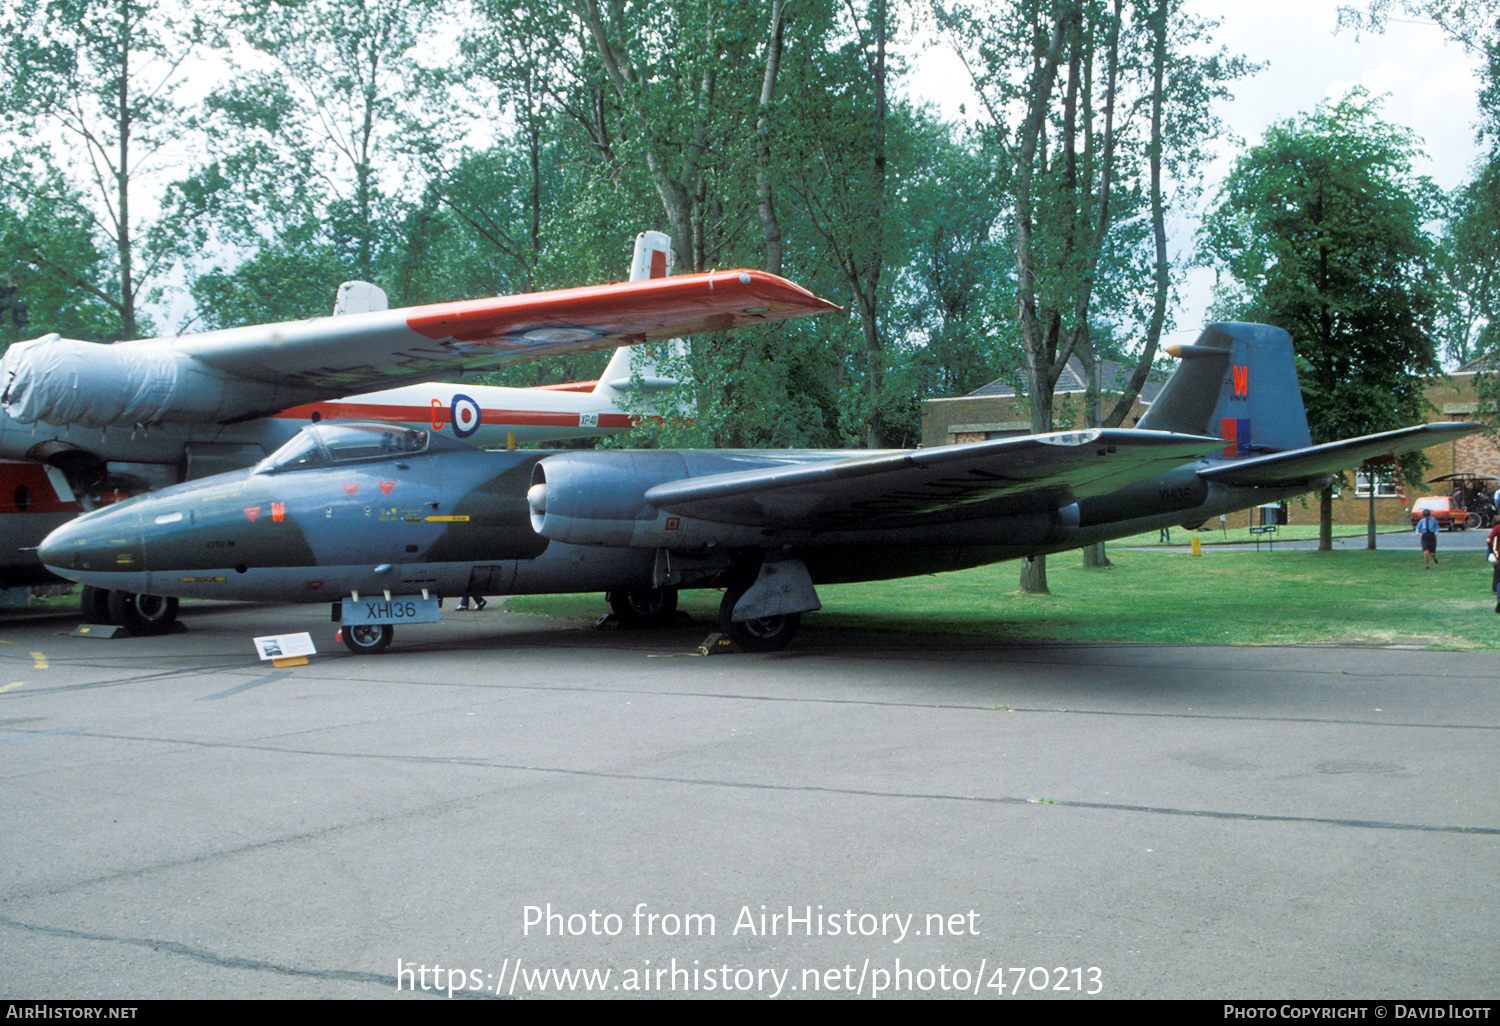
(1285, 468)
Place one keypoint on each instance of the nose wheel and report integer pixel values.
(368, 638)
(141, 615)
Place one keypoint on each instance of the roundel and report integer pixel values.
(465, 415)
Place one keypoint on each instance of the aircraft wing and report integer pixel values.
(1285, 468)
(224, 376)
(954, 481)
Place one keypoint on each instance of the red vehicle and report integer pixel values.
(1445, 510)
(1473, 492)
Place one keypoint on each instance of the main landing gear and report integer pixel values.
(141, 615)
(643, 607)
(654, 607)
(764, 634)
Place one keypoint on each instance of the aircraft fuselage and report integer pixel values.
(457, 521)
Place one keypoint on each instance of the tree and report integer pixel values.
(53, 275)
(1319, 230)
(527, 58)
(844, 138)
(1095, 107)
(685, 84)
(1469, 260)
(761, 130)
(1471, 239)
(1470, 245)
(313, 144)
(104, 75)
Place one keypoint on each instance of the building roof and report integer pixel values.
(1113, 377)
(1482, 365)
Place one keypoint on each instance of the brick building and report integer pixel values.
(997, 411)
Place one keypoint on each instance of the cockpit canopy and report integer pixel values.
(331, 444)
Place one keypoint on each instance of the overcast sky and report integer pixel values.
(1432, 85)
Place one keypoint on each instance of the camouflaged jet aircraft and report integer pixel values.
(83, 420)
(386, 521)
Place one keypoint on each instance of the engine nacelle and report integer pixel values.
(597, 498)
(63, 381)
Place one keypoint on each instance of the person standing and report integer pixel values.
(1427, 529)
(1492, 550)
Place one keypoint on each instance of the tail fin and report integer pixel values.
(653, 253)
(1238, 382)
(629, 361)
(651, 260)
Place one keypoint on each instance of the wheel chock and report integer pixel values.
(717, 643)
(101, 630)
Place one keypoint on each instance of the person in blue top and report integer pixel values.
(1427, 529)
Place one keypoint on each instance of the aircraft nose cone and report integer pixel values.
(102, 548)
(59, 549)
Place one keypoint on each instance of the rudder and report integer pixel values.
(1237, 382)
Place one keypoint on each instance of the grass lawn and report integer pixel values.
(1222, 598)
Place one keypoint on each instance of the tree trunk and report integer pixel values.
(1325, 520)
(770, 224)
(1034, 575)
(122, 182)
(1034, 570)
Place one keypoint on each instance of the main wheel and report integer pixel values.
(767, 634)
(1472, 521)
(643, 607)
(142, 614)
(368, 638)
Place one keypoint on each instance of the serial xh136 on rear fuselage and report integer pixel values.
(385, 521)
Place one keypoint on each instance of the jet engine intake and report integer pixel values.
(598, 498)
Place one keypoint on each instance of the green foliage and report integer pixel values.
(1094, 107)
(92, 87)
(51, 267)
(953, 293)
(311, 146)
(1383, 598)
(1469, 261)
(1468, 248)
(1321, 229)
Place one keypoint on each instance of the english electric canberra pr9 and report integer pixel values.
(385, 521)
